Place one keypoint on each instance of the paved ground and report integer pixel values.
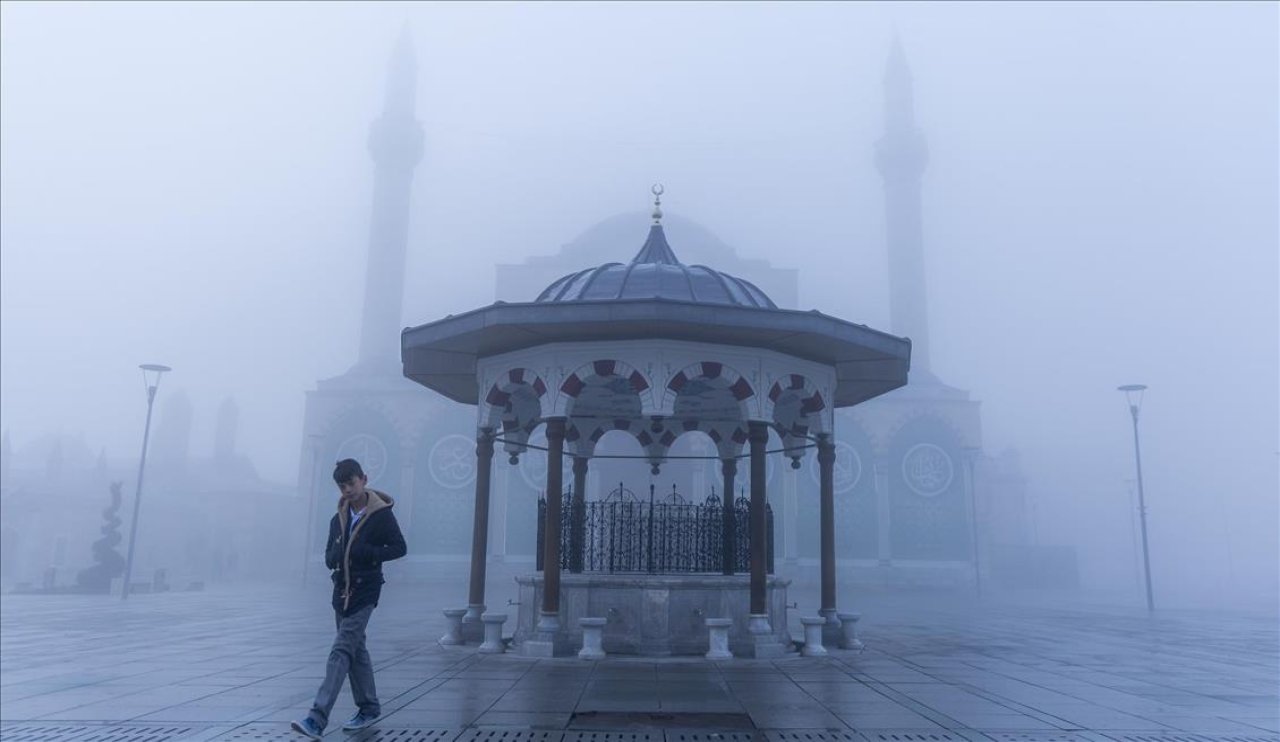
(238, 664)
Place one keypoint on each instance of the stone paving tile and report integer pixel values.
(526, 704)
(1093, 717)
(1000, 722)
(199, 713)
(1261, 723)
(774, 718)
(423, 718)
(696, 705)
(885, 707)
(430, 702)
(525, 719)
(884, 721)
(1209, 725)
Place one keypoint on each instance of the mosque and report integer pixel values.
(915, 499)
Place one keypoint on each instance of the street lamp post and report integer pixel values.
(152, 383)
(1133, 394)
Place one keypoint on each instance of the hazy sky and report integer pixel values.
(189, 184)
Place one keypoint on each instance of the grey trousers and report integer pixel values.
(348, 660)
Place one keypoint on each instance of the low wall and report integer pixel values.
(654, 615)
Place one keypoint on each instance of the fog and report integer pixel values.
(189, 184)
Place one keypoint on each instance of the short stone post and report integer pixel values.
(592, 638)
(453, 636)
(472, 626)
(849, 629)
(813, 636)
(718, 630)
(832, 636)
(493, 633)
(763, 644)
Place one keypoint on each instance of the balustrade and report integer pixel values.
(671, 535)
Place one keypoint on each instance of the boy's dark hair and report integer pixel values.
(346, 470)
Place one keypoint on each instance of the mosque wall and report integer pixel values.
(905, 489)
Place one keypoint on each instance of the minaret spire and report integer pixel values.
(395, 143)
(6, 456)
(402, 77)
(899, 98)
(901, 156)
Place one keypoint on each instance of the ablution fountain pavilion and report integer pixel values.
(656, 349)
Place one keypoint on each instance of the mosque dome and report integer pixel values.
(659, 301)
(656, 273)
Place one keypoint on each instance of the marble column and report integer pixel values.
(729, 470)
(549, 620)
(472, 628)
(406, 501)
(498, 516)
(578, 518)
(884, 552)
(758, 435)
(791, 515)
(827, 536)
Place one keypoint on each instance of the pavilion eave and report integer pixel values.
(442, 355)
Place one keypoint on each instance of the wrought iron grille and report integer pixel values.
(671, 535)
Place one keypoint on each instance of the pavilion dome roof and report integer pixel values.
(656, 273)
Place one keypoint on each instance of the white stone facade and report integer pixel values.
(645, 380)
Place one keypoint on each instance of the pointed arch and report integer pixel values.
(513, 406)
(598, 397)
(796, 407)
(718, 374)
(724, 407)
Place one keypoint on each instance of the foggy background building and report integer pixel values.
(191, 185)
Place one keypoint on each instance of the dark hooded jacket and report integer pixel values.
(356, 558)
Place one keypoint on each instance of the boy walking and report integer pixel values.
(362, 535)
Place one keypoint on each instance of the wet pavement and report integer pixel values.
(239, 663)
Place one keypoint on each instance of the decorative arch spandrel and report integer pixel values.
(714, 398)
(513, 406)
(617, 375)
(799, 410)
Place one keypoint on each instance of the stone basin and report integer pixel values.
(653, 615)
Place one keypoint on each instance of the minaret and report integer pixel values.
(395, 143)
(6, 457)
(224, 435)
(901, 156)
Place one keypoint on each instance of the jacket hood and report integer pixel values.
(377, 501)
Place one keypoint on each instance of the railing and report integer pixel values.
(622, 533)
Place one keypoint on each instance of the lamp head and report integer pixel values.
(151, 375)
(1133, 394)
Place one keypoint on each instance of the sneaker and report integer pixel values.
(308, 728)
(360, 721)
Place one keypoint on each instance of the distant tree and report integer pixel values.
(97, 579)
